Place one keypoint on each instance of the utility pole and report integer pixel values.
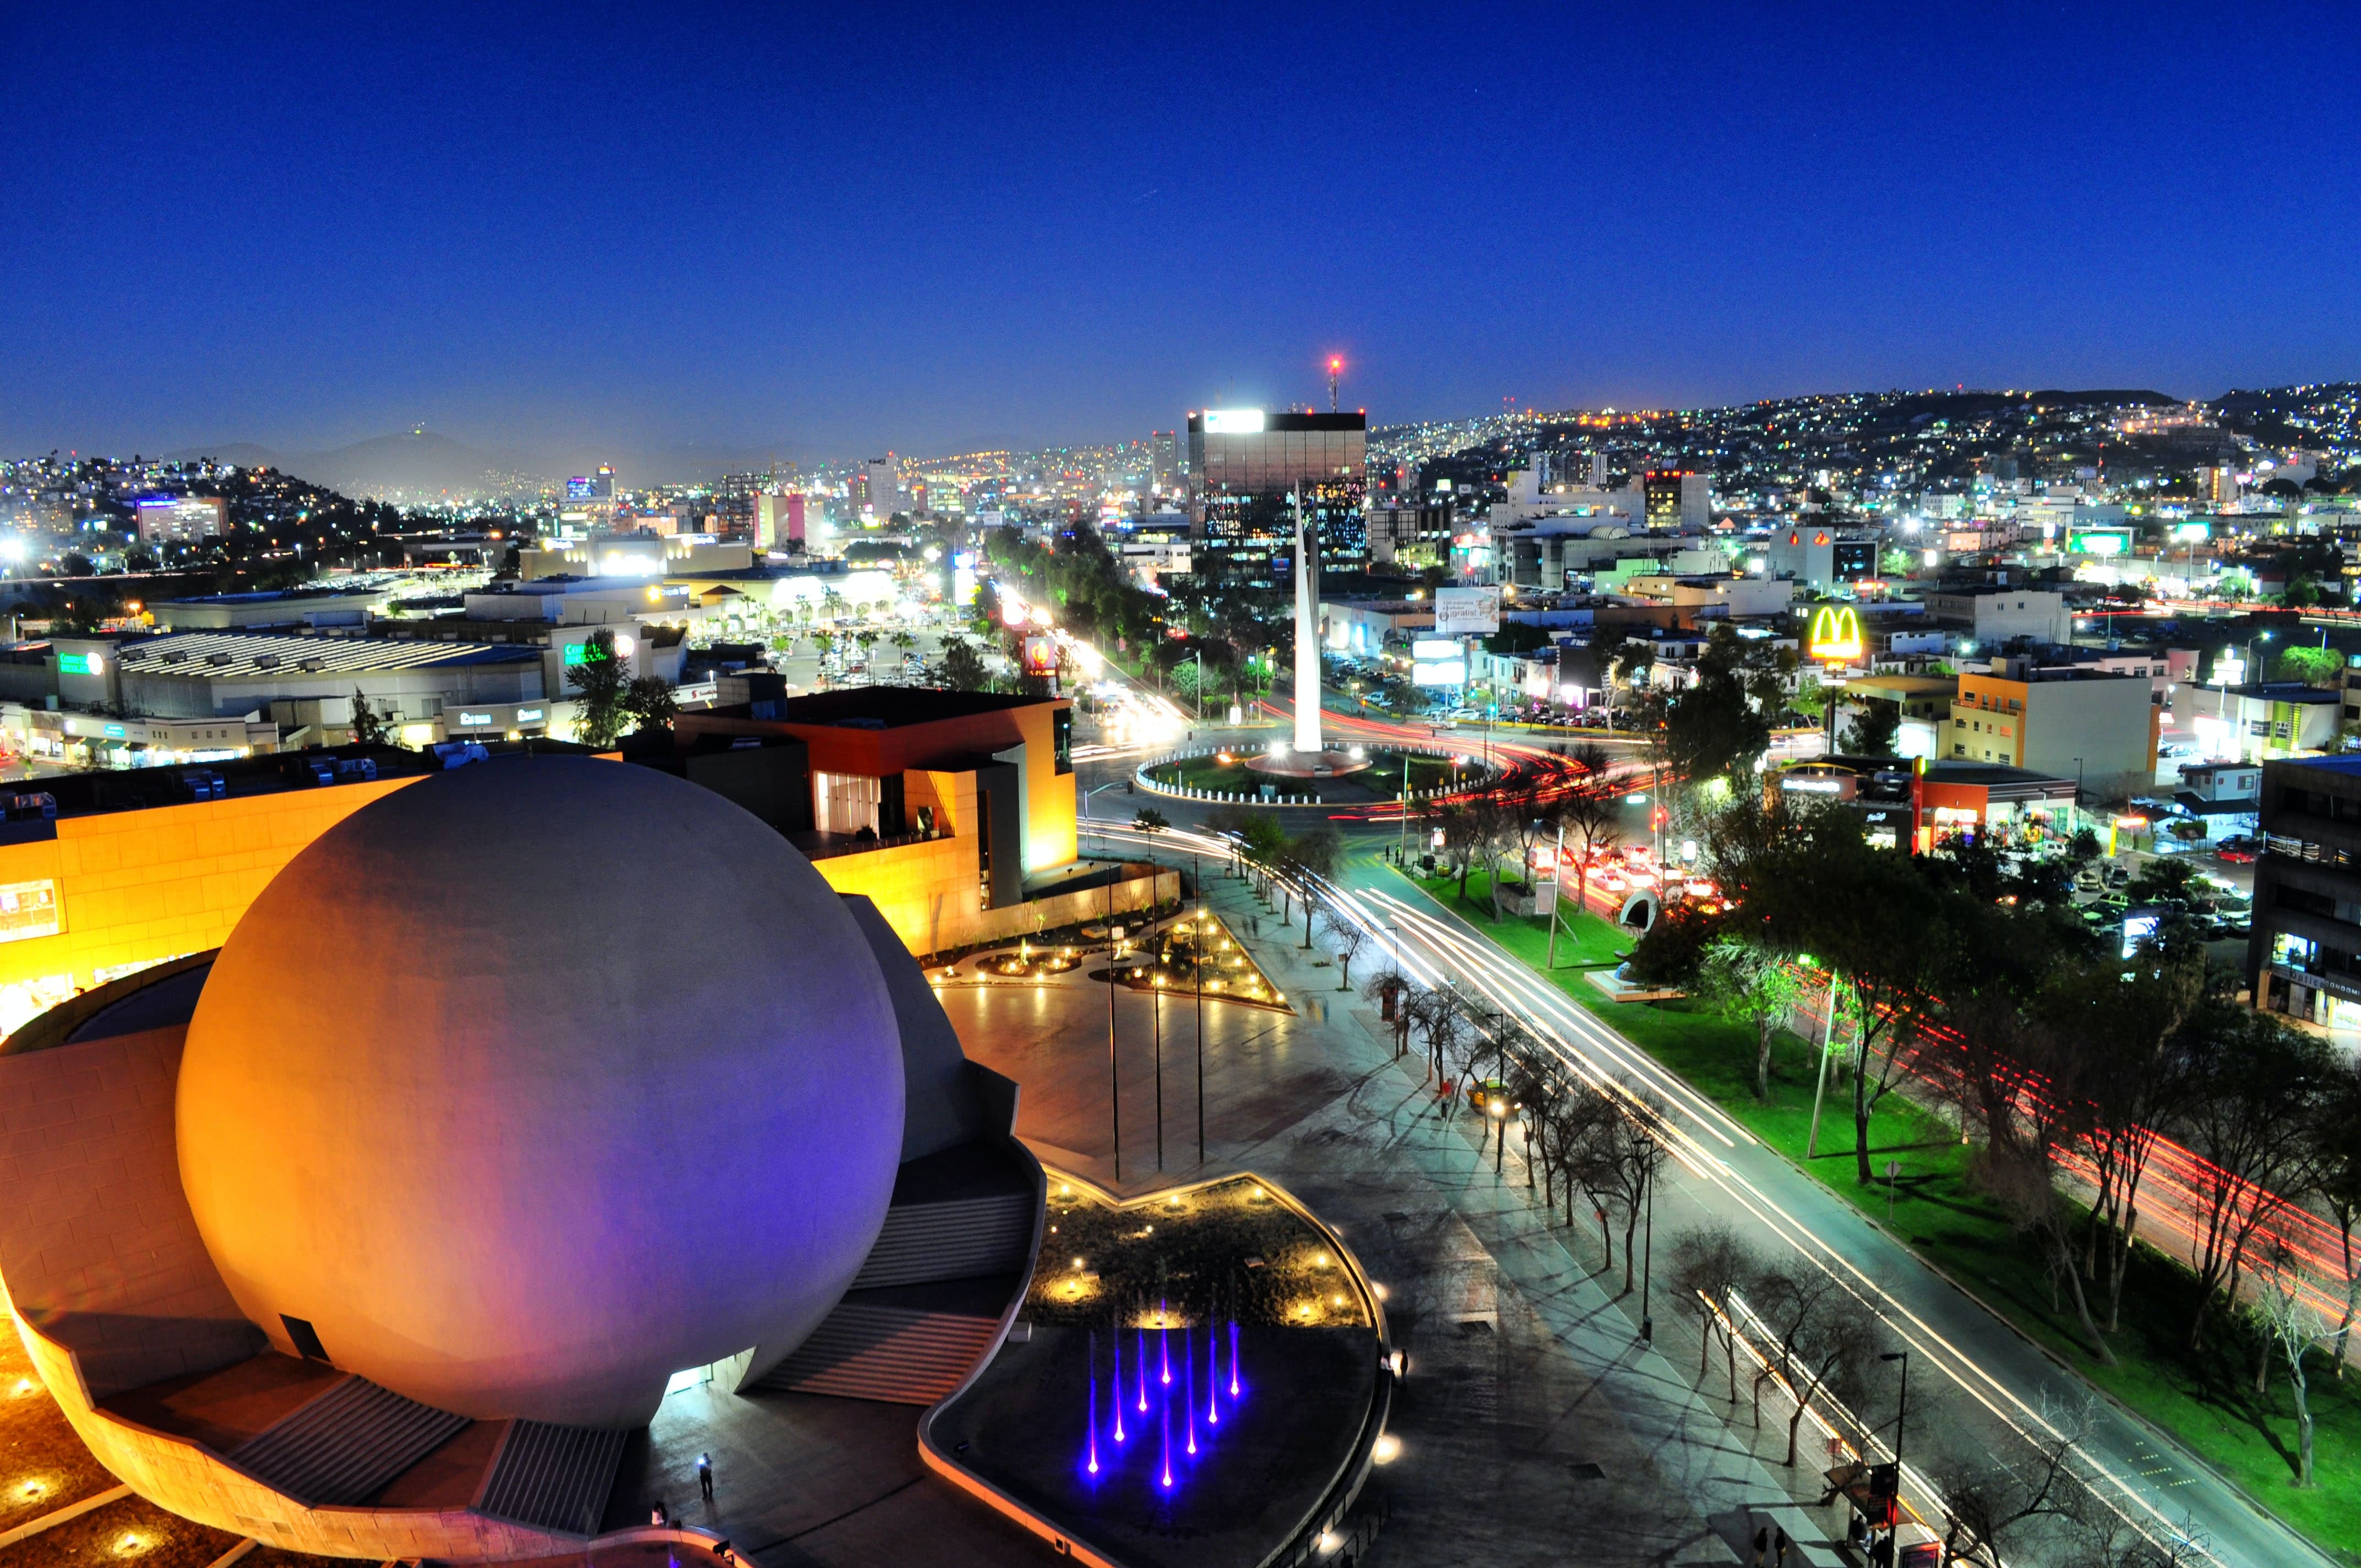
(1902, 1416)
(1648, 1264)
(1156, 1005)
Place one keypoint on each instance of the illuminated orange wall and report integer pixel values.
(136, 887)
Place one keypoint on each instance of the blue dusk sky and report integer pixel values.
(828, 229)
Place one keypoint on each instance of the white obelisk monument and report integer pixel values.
(1307, 634)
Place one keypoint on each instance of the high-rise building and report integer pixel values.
(2218, 487)
(882, 481)
(1164, 457)
(1246, 469)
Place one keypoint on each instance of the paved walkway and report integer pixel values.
(1535, 1427)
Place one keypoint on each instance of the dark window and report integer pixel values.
(306, 1339)
(1061, 739)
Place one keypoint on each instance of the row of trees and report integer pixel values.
(1964, 981)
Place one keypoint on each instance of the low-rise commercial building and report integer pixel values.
(2258, 723)
(1990, 617)
(2098, 729)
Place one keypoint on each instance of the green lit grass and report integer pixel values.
(2206, 1401)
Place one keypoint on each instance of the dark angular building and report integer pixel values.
(2305, 953)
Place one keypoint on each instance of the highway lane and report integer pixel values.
(2001, 1383)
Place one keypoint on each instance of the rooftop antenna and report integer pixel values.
(1336, 366)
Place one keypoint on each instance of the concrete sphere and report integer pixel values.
(535, 1082)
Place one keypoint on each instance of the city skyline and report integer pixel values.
(546, 229)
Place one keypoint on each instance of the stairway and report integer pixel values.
(955, 1249)
(345, 1446)
(958, 1238)
(553, 1478)
(873, 1350)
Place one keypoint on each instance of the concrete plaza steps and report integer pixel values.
(956, 1239)
(342, 1447)
(907, 1344)
(553, 1478)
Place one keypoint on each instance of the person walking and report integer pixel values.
(1782, 1539)
(705, 1481)
(1761, 1543)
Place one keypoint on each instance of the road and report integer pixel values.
(2000, 1383)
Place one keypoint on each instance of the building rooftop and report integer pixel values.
(2348, 766)
(223, 654)
(892, 708)
(275, 595)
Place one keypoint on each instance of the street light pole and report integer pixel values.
(1197, 963)
(1902, 1416)
(1647, 1266)
(1114, 1087)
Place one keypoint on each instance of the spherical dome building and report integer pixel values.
(530, 1084)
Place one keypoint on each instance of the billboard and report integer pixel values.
(581, 489)
(1466, 612)
(2100, 542)
(1439, 673)
(1040, 655)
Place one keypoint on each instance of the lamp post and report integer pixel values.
(1901, 1416)
(1648, 1264)
(1197, 965)
(1114, 1087)
(1156, 1005)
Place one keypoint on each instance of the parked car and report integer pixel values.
(2235, 857)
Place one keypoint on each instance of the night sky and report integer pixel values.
(832, 229)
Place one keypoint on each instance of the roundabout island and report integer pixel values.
(1357, 775)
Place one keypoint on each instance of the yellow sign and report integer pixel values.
(1836, 635)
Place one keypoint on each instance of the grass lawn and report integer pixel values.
(2208, 1401)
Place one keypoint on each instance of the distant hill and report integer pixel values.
(414, 467)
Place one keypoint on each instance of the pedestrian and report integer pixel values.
(1782, 1539)
(705, 1475)
(1761, 1543)
(658, 1515)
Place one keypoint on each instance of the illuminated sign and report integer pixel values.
(1233, 421)
(2188, 532)
(1836, 635)
(1040, 655)
(1439, 674)
(1434, 648)
(115, 732)
(2100, 542)
(529, 715)
(2140, 928)
(582, 654)
(474, 718)
(81, 665)
(580, 488)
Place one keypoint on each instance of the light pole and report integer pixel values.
(1114, 1087)
(1648, 1264)
(1088, 793)
(1901, 1416)
(1197, 965)
(1156, 1005)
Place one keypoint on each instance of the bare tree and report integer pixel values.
(1988, 1503)
(1819, 1339)
(1592, 815)
(2297, 1328)
(2259, 1085)
(2125, 1019)
(1350, 937)
(1708, 1265)
(2337, 1146)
